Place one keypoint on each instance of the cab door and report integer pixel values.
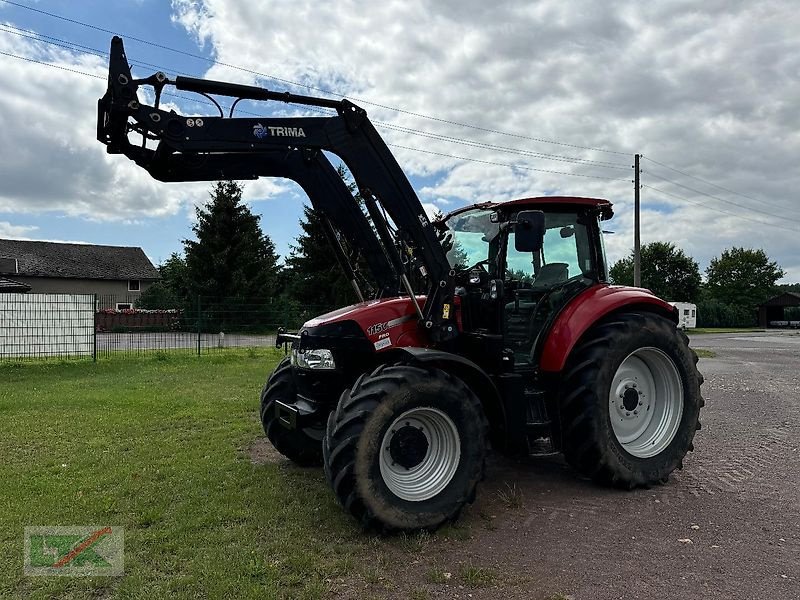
(538, 284)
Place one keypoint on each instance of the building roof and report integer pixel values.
(9, 286)
(784, 299)
(74, 261)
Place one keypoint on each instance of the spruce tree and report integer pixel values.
(231, 256)
(314, 277)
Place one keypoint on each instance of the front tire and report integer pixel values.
(302, 446)
(406, 448)
(630, 401)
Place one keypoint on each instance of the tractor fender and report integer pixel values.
(467, 371)
(589, 307)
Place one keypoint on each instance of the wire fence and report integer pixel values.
(65, 325)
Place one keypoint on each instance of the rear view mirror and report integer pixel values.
(529, 231)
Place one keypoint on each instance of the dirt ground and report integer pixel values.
(726, 526)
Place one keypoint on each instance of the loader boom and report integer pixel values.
(217, 147)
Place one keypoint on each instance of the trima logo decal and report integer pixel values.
(260, 131)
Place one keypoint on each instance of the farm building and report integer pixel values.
(772, 313)
(59, 268)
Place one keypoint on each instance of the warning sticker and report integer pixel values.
(384, 343)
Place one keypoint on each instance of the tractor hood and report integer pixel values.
(386, 323)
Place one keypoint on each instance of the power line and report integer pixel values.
(463, 158)
(36, 36)
(442, 154)
(39, 62)
(500, 164)
(301, 85)
(730, 191)
(691, 189)
(720, 210)
(486, 146)
(77, 72)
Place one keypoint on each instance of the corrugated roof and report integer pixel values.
(9, 286)
(83, 261)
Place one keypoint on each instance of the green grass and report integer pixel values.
(703, 353)
(704, 330)
(158, 445)
(475, 577)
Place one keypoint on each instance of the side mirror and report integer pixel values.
(529, 231)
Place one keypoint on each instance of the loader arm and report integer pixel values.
(329, 196)
(212, 147)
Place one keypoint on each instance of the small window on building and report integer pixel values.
(692, 312)
(124, 306)
(133, 285)
(686, 312)
(9, 265)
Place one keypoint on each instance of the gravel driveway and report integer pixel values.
(727, 526)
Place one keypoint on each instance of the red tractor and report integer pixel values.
(494, 326)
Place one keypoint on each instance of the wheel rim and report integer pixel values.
(646, 402)
(420, 453)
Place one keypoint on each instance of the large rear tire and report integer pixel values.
(302, 446)
(630, 401)
(406, 448)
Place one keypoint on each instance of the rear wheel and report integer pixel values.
(302, 446)
(630, 400)
(405, 448)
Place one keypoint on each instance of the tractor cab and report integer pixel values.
(519, 263)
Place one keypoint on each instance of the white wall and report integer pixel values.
(34, 325)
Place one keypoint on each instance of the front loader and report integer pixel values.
(494, 326)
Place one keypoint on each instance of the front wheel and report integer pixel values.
(405, 448)
(630, 401)
(302, 446)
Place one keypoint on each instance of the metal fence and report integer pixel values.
(46, 325)
(61, 325)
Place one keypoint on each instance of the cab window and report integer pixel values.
(564, 256)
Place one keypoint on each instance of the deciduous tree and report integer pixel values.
(743, 277)
(666, 270)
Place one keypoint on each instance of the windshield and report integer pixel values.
(470, 234)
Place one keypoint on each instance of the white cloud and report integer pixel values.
(51, 159)
(21, 232)
(9, 231)
(710, 89)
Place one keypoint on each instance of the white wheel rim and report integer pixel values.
(417, 464)
(646, 402)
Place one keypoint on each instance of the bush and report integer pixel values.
(713, 313)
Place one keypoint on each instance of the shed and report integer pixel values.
(772, 311)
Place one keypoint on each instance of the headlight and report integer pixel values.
(315, 358)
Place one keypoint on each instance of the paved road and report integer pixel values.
(737, 500)
(172, 340)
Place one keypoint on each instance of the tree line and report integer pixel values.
(231, 258)
(736, 281)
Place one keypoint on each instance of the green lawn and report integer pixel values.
(159, 445)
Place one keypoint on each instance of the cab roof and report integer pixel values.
(603, 206)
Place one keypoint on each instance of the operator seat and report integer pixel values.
(550, 275)
(521, 315)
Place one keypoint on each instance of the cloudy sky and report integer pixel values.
(479, 101)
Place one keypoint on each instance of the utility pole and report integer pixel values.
(637, 258)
